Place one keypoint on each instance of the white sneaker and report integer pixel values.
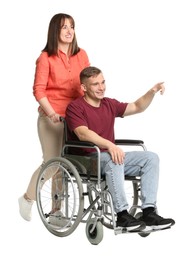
(25, 208)
(57, 219)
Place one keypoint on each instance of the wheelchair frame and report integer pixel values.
(64, 189)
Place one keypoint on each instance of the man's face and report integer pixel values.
(94, 87)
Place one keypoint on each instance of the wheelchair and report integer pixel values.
(71, 190)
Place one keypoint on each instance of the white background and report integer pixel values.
(136, 44)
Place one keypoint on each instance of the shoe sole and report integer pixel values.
(161, 226)
(136, 228)
(155, 228)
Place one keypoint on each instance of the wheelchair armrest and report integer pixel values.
(128, 141)
(131, 142)
(80, 143)
(117, 141)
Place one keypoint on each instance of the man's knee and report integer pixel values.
(153, 157)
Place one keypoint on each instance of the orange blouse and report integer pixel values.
(57, 78)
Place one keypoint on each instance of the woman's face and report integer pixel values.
(67, 32)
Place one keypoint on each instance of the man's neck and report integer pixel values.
(92, 102)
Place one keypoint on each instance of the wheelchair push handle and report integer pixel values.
(62, 119)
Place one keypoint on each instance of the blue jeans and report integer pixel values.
(137, 163)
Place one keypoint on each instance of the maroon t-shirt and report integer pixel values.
(98, 119)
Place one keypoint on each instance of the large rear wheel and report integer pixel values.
(59, 196)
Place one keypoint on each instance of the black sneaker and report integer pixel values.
(155, 222)
(129, 222)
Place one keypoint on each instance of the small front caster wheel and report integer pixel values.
(94, 231)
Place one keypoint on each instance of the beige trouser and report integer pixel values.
(51, 139)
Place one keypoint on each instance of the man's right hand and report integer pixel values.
(117, 154)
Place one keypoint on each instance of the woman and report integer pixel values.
(56, 84)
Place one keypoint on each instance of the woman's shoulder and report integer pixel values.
(42, 56)
(83, 57)
(82, 52)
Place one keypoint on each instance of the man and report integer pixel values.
(91, 118)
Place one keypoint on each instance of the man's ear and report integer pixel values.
(83, 87)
